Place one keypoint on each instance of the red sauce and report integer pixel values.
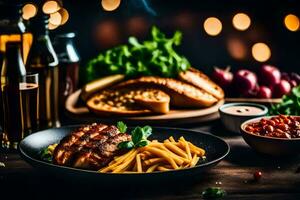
(281, 126)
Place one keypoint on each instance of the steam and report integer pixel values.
(143, 4)
(148, 8)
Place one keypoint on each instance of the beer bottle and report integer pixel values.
(68, 67)
(12, 71)
(43, 60)
(12, 28)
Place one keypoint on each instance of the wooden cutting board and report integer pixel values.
(77, 109)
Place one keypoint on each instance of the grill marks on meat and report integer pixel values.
(89, 147)
(73, 143)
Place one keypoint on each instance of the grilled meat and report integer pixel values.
(89, 147)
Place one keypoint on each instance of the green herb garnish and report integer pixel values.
(152, 57)
(126, 145)
(290, 104)
(139, 137)
(213, 193)
(122, 127)
(46, 155)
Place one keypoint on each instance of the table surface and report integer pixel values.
(280, 179)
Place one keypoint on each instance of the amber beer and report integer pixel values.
(29, 107)
(12, 132)
(20, 111)
(12, 71)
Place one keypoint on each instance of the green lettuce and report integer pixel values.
(154, 57)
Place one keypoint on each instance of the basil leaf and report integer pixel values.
(147, 131)
(126, 145)
(137, 134)
(139, 137)
(122, 127)
(142, 143)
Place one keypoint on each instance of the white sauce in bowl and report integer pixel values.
(243, 110)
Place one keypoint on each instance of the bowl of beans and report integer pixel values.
(274, 135)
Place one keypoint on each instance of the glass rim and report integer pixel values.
(29, 78)
(30, 74)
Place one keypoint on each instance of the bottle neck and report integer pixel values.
(42, 52)
(39, 31)
(39, 24)
(14, 63)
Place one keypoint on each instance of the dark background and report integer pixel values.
(98, 30)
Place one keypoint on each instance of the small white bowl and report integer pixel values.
(232, 121)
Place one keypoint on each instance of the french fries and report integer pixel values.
(157, 156)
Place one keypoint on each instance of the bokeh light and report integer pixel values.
(237, 48)
(64, 16)
(137, 26)
(55, 18)
(212, 26)
(241, 21)
(184, 20)
(50, 7)
(107, 34)
(28, 11)
(52, 26)
(110, 5)
(291, 22)
(261, 52)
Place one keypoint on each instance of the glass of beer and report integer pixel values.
(29, 88)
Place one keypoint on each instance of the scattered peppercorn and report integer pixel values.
(257, 175)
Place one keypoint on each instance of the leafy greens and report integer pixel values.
(290, 104)
(139, 137)
(152, 57)
(46, 155)
(122, 127)
(213, 193)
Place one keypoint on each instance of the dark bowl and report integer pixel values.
(270, 145)
(216, 150)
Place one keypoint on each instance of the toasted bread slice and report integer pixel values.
(182, 94)
(127, 102)
(99, 84)
(200, 80)
(155, 100)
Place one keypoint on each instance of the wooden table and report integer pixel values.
(280, 179)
